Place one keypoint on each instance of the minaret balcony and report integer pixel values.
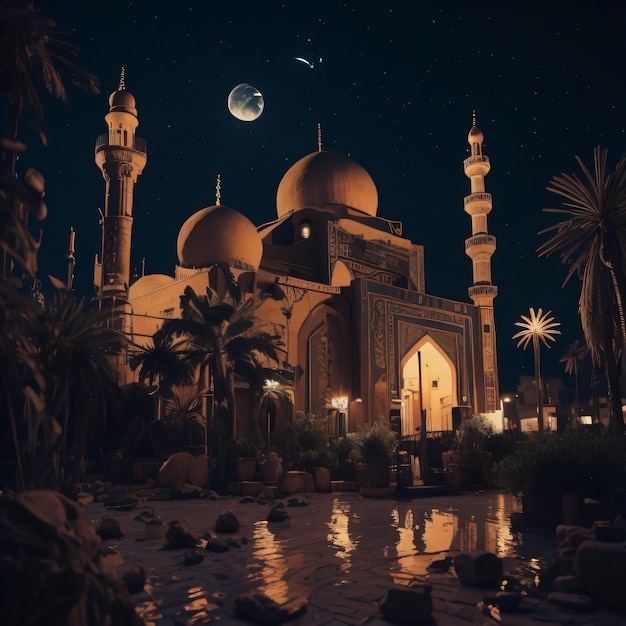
(110, 152)
(480, 244)
(477, 165)
(477, 203)
(482, 294)
(136, 144)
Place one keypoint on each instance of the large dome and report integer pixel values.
(219, 234)
(325, 178)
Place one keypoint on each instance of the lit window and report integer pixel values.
(305, 230)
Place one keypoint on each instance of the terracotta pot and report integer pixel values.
(295, 482)
(246, 468)
(362, 474)
(270, 470)
(378, 470)
(321, 476)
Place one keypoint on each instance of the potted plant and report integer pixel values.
(343, 467)
(469, 463)
(271, 466)
(549, 469)
(374, 444)
(247, 452)
(323, 464)
(307, 440)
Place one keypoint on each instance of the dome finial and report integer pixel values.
(319, 137)
(473, 118)
(122, 86)
(218, 190)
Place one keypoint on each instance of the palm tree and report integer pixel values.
(22, 384)
(162, 361)
(539, 328)
(57, 384)
(82, 388)
(27, 41)
(183, 407)
(572, 359)
(591, 241)
(226, 339)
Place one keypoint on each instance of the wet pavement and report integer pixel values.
(341, 552)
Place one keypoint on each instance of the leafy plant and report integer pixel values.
(375, 439)
(308, 440)
(247, 446)
(588, 461)
(472, 432)
(340, 450)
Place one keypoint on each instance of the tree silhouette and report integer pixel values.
(537, 328)
(572, 360)
(591, 242)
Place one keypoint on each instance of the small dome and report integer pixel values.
(325, 178)
(122, 100)
(219, 234)
(475, 136)
(148, 283)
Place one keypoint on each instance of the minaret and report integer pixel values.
(121, 156)
(480, 248)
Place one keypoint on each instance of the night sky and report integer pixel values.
(395, 89)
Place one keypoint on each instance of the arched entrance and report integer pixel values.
(429, 382)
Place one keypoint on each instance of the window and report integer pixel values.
(305, 229)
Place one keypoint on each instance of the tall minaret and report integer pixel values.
(121, 156)
(480, 248)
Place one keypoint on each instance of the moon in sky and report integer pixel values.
(245, 102)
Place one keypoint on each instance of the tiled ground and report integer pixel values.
(341, 552)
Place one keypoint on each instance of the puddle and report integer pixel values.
(344, 544)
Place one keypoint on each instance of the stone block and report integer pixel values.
(404, 605)
(601, 567)
(478, 568)
(250, 488)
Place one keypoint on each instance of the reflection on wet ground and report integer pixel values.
(341, 551)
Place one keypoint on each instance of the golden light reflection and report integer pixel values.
(148, 612)
(406, 533)
(420, 535)
(499, 516)
(339, 533)
(426, 533)
(440, 529)
(269, 563)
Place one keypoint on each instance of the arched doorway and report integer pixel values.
(427, 370)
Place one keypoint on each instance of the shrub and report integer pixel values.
(308, 441)
(247, 446)
(373, 439)
(472, 433)
(583, 460)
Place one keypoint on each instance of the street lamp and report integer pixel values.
(504, 400)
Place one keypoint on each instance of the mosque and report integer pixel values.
(363, 339)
